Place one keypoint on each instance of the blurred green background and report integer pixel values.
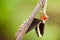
(14, 12)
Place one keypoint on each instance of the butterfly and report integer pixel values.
(38, 25)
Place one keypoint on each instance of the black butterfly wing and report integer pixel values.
(33, 24)
(36, 30)
(41, 28)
